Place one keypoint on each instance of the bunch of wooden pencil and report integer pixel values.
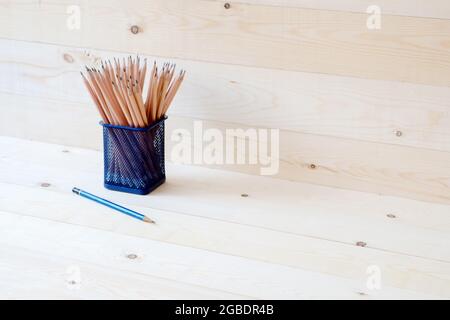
(118, 91)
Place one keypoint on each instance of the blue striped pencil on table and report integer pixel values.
(112, 205)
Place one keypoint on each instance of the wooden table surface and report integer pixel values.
(284, 240)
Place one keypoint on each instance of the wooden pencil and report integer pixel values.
(124, 96)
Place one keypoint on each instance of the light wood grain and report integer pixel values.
(359, 109)
(387, 169)
(33, 273)
(40, 160)
(417, 8)
(56, 159)
(405, 49)
(371, 167)
(314, 228)
(65, 122)
(181, 264)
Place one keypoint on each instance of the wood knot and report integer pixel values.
(68, 58)
(135, 29)
(132, 256)
(361, 244)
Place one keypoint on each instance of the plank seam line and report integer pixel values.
(178, 245)
(219, 62)
(134, 272)
(70, 103)
(318, 135)
(338, 11)
(206, 250)
(78, 106)
(235, 223)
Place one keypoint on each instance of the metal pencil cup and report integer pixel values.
(134, 157)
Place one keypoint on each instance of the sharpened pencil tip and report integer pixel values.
(148, 220)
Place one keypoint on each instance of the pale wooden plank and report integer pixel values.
(43, 161)
(416, 8)
(359, 109)
(405, 48)
(303, 209)
(33, 273)
(309, 217)
(348, 224)
(72, 124)
(192, 266)
(371, 167)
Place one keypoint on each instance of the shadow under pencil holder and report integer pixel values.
(134, 157)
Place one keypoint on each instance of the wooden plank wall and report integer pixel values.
(413, 8)
(369, 108)
(406, 49)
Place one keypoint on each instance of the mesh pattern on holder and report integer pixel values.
(134, 157)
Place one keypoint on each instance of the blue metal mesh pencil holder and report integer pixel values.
(134, 157)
